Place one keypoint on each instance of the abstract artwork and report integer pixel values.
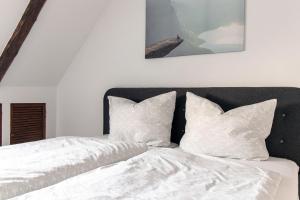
(194, 27)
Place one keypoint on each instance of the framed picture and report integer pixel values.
(194, 27)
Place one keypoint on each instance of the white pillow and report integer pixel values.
(238, 133)
(149, 121)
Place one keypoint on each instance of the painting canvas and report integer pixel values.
(194, 27)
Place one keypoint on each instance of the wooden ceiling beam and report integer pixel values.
(21, 32)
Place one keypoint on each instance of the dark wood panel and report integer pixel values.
(28, 122)
(21, 32)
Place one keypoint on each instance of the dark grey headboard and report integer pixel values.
(284, 140)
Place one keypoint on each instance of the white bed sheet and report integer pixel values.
(31, 166)
(288, 188)
(168, 174)
(289, 170)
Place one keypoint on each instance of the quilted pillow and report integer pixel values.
(149, 121)
(239, 133)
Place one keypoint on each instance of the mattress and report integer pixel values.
(288, 188)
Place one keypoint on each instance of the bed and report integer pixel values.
(283, 142)
(170, 173)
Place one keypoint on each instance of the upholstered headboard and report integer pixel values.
(284, 140)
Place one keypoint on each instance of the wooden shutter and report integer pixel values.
(28, 122)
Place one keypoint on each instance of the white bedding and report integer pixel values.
(30, 166)
(168, 174)
(288, 188)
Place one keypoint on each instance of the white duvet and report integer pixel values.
(31, 166)
(165, 174)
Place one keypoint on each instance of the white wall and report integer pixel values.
(57, 35)
(113, 56)
(10, 95)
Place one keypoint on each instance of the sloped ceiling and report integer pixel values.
(57, 35)
(10, 14)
